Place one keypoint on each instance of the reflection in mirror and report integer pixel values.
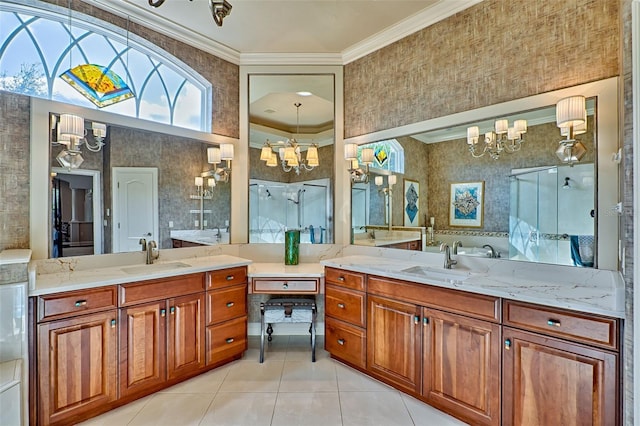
(291, 139)
(141, 184)
(528, 204)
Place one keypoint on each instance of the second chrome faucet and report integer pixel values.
(448, 262)
(151, 248)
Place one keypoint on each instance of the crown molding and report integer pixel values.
(290, 59)
(441, 10)
(168, 28)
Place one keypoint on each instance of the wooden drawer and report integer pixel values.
(353, 280)
(345, 305)
(475, 305)
(72, 303)
(227, 303)
(284, 285)
(345, 342)
(162, 288)
(585, 328)
(226, 277)
(226, 340)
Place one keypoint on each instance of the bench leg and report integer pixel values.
(313, 334)
(261, 332)
(269, 332)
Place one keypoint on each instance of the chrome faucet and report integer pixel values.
(218, 234)
(448, 262)
(152, 252)
(456, 244)
(493, 252)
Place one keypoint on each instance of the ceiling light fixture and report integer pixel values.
(290, 153)
(219, 9)
(501, 139)
(571, 118)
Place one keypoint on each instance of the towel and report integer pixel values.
(582, 250)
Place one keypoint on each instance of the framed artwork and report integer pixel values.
(466, 207)
(411, 204)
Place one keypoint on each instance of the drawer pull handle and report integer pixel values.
(341, 305)
(230, 304)
(341, 342)
(341, 278)
(553, 323)
(229, 277)
(285, 286)
(230, 340)
(113, 323)
(172, 310)
(80, 303)
(507, 344)
(163, 312)
(425, 321)
(416, 319)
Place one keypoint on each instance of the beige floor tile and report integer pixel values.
(350, 380)
(425, 415)
(308, 409)
(307, 376)
(208, 382)
(119, 416)
(251, 376)
(374, 408)
(240, 409)
(173, 409)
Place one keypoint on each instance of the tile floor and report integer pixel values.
(286, 390)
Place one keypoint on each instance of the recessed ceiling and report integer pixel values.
(345, 28)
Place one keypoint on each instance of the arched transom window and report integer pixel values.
(38, 44)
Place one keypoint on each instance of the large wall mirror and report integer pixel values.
(291, 157)
(148, 181)
(529, 205)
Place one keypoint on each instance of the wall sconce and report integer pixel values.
(571, 118)
(215, 156)
(502, 139)
(203, 193)
(358, 174)
(388, 192)
(69, 130)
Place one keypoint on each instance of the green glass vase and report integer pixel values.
(291, 247)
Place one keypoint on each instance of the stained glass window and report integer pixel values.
(388, 155)
(40, 43)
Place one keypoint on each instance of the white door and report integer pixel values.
(135, 207)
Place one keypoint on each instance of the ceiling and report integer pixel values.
(336, 31)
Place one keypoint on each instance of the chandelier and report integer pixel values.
(571, 118)
(219, 9)
(501, 139)
(289, 153)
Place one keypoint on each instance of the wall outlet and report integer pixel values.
(197, 223)
(170, 224)
(204, 223)
(226, 223)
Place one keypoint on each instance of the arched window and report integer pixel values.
(37, 44)
(388, 155)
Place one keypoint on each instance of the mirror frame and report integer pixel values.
(341, 197)
(608, 143)
(40, 182)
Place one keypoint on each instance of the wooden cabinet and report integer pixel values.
(345, 316)
(185, 335)
(394, 342)
(76, 366)
(461, 366)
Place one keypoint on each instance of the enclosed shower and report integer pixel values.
(551, 216)
(275, 207)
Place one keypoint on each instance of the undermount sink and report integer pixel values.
(438, 274)
(154, 267)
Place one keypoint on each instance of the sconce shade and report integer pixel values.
(570, 111)
(273, 160)
(367, 155)
(213, 155)
(502, 126)
(99, 130)
(354, 164)
(350, 151)
(512, 134)
(290, 154)
(211, 182)
(378, 180)
(265, 153)
(473, 134)
(293, 162)
(226, 151)
(520, 126)
(392, 179)
(71, 126)
(199, 181)
(312, 154)
(313, 162)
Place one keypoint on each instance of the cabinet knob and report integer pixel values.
(229, 277)
(163, 312)
(230, 304)
(230, 340)
(341, 278)
(113, 323)
(507, 344)
(285, 286)
(80, 303)
(553, 322)
(341, 342)
(341, 305)
(425, 321)
(172, 310)
(416, 319)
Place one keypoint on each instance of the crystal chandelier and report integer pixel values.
(502, 139)
(289, 153)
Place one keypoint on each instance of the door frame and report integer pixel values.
(97, 204)
(115, 208)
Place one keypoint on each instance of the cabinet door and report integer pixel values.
(186, 335)
(394, 342)
(226, 340)
(551, 381)
(143, 354)
(77, 365)
(461, 367)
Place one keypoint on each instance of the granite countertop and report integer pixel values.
(596, 295)
(381, 238)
